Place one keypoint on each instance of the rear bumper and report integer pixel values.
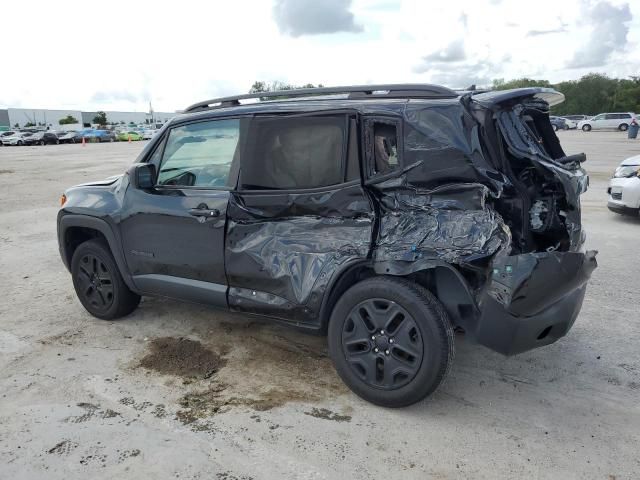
(533, 299)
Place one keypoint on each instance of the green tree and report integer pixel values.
(276, 86)
(68, 120)
(100, 118)
(500, 84)
(29, 124)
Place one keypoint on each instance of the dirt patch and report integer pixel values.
(181, 357)
(326, 414)
(5, 171)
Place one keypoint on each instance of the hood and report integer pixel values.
(102, 183)
(496, 97)
(635, 160)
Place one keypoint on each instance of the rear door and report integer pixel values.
(300, 215)
(173, 234)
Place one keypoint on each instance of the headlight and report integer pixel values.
(627, 171)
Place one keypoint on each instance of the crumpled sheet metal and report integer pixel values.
(453, 224)
(442, 145)
(573, 178)
(297, 253)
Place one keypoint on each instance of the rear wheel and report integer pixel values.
(391, 341)
(586, 128)
(98, 282)
(555, 128)
(623, 127)
(42, 142)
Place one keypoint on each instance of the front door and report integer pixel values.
(299, 217)
(173, 235)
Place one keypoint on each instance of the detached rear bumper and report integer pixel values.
(533, 299)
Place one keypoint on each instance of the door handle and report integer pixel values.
(204, 211)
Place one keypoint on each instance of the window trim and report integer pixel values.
(369, 153)
(346, 114)
(162, 143)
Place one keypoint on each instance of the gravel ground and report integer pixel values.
(181, 391)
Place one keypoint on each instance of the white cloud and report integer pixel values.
(313, 17)
(120, 56)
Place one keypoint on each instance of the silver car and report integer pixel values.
(611, 121)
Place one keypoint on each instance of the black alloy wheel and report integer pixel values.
(95, 282)
(98, 282)
(382, 343)
(390, 340)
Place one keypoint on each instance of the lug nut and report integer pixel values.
(381, 332)
(375, 350)
(386, 352)
(391, 340)
(373, 337)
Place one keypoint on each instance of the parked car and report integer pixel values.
(6, 133)
(362, 218)
(624, 188)
(16, 138)
(42, 138)
(572, 120)
(612, 121)
(104, 136)
(129, 134)
(148, 134)
(67, 137)
(558, 123)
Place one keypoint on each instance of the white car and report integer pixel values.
(148, 134)
(17, 138)
(572, 120)
(624, 188)
(619, 121)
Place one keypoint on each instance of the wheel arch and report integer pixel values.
(441, 279)
(76, 229)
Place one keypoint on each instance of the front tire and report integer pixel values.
(98, 283)
(555, 128)
(586, 128)
(391, 341)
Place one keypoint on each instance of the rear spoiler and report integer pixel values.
(496, 97)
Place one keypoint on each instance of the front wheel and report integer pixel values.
(555, 128)
(390, 341)
(98, 283)
(586, 128)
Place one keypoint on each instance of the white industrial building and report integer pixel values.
(11, 117)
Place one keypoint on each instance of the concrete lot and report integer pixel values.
(75, 402)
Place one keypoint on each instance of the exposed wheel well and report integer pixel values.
(451, 289)
(75, 236)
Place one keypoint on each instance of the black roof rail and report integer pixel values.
(416, 90)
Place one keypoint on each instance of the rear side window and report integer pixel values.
(295, 153)
(200, 154)
(382, 146)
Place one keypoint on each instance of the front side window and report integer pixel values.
(599, 117)
(200, 154)
(295, 153)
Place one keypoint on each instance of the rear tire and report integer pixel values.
(98, 283)
(391, 341)
(586, 128)
(555, 128)
(623, 127)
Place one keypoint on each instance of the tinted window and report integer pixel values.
(611, 116)
(293, 153)
(200, 154)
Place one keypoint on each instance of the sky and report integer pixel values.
(120, 55)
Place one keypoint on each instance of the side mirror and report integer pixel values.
(142, 175)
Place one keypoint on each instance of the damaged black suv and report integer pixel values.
(384, 216)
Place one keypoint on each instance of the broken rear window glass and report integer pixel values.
(295, 153)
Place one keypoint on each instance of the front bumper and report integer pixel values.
(532, 299)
